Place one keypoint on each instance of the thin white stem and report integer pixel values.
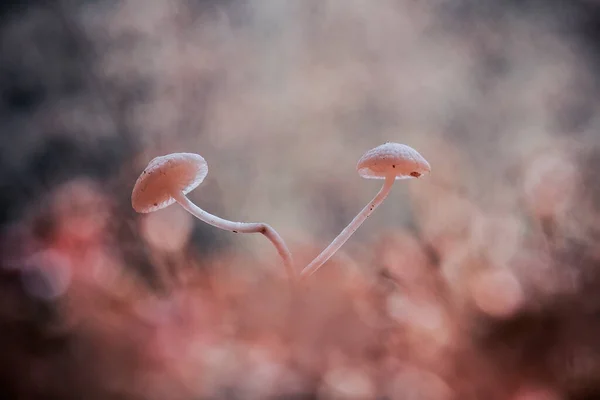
(349, 230)
(240, 227)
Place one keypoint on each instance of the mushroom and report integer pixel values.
(390, 161)
(167, 179)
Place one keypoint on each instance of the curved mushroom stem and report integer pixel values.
(240, 227)
(349, 230)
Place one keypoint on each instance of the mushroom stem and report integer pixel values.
(350, 229)
(239, 227)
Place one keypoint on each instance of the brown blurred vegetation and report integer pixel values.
(480, 281)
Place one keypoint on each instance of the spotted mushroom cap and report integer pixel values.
(392, 158)
(165, 175)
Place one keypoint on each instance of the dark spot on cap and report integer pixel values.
(235, 231)
(155, 204)
(415, 174)
(393, 165)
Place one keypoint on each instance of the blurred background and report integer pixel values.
(479, 281)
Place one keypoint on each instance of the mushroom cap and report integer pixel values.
(392, 158)
(164, 175)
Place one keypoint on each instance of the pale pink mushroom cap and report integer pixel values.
(165, 175)
(399, 159)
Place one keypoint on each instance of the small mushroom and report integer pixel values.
(390, 161)
(167, 179)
